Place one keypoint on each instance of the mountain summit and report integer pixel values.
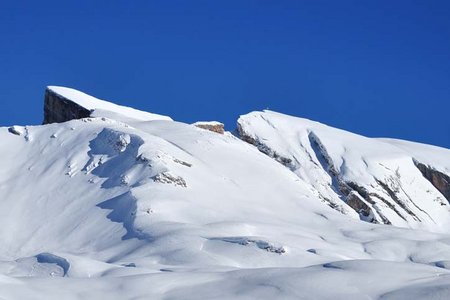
(105, 201)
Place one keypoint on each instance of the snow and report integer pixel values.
(104, 108)
(85, 214)
(436, 157)
(317, 152)
(210, 123)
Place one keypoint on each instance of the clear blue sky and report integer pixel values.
(378, 68)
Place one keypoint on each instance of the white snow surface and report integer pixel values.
(121, 208)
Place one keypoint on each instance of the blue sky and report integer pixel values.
(378, 68)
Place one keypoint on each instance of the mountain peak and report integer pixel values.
(63, 104)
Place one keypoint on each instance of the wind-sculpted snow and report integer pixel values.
(102, 208)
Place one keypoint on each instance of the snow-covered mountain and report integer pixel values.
(383, 181)
(107, 202)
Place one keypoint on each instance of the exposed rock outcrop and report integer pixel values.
(58, 109)
(438, 179)
(355, 201)
(287, 162)
(16, 130)
(356, 196)
(213, 126)
(168, 178)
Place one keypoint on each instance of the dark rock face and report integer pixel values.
(287, 162)
(438, 179)
(14, 130)
(355, 201)
(58, 109)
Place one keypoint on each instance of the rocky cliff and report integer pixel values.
(63, 104)
(58, 109)
(438, 179)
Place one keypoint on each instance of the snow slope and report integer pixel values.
(437, 157)
(126, 208)
(376, 178)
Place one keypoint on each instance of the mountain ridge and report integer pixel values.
(113, 205)
(387, 203)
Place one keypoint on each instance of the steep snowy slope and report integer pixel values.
(126, 208)
(433, 162)
(379, 179)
